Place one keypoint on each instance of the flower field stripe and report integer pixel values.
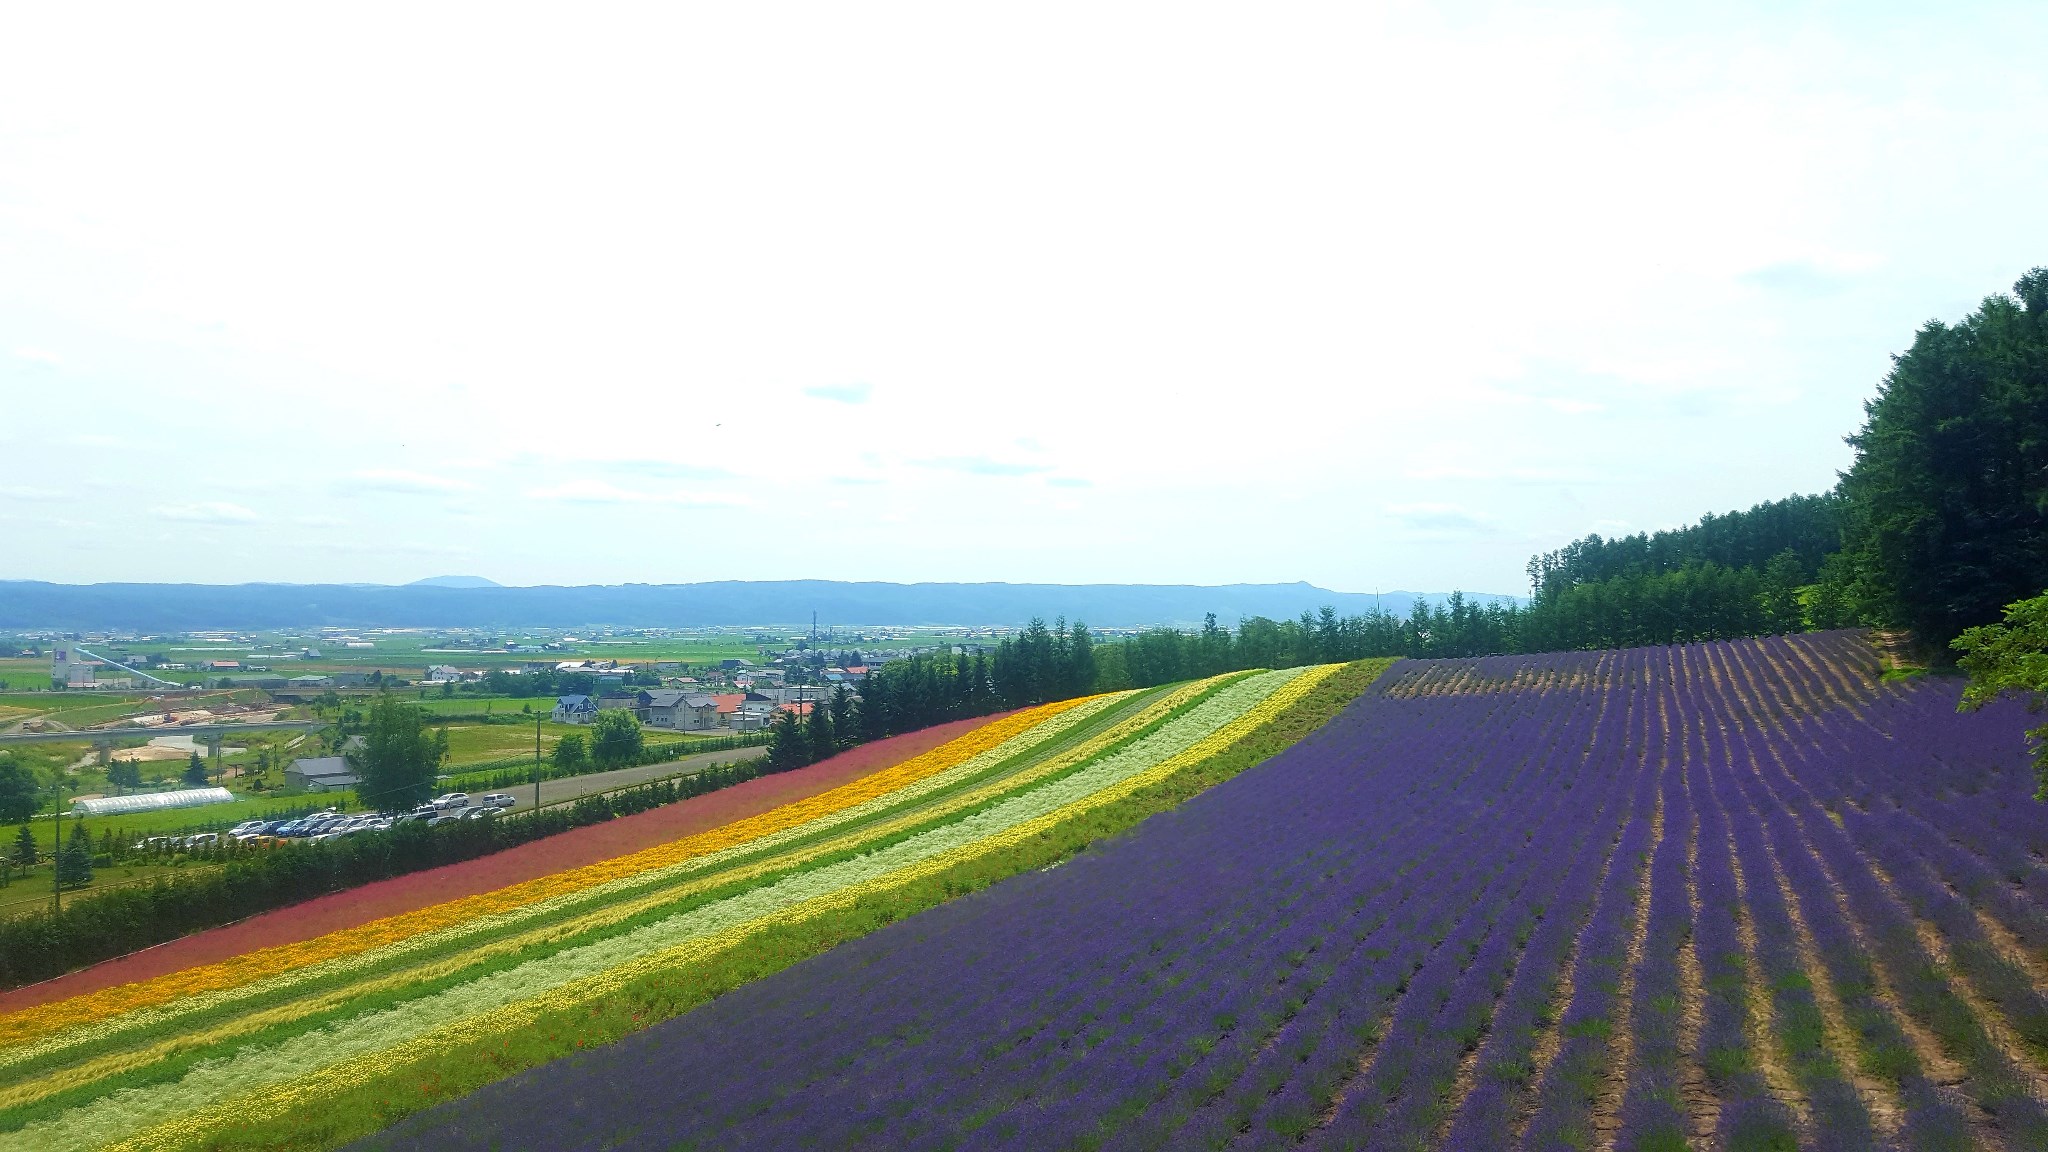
(42, 1019)
(612, 913)
(614, 910)
(1211, 725)
(1273, 696)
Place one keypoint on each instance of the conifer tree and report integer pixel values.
(818, 737)
(74, 864)
(788, 746)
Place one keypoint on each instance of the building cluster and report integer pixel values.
(683, 710)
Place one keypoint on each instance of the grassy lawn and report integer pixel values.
(30, 674)
(31, 893)
(464, 705)
(475, 743)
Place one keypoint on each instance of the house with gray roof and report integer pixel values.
(678, 710)
(574, 709)
(321, 774)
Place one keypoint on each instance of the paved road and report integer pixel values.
(569, 788)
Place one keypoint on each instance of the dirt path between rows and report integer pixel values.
(355, 906)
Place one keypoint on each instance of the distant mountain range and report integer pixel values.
(472, 602)
(454, 582)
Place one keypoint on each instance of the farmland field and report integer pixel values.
(323, 1039)
(1735, 895)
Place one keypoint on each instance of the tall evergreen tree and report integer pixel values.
(1947, 518)
(74, 864)
(818, 733)
(788, 746)
(844, 734)
(26, 854)
(1080, 671)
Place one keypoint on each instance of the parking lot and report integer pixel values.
(451, 806)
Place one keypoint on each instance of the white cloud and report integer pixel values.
(589, 491)
(207, 512)
(1441, 519)
(40, 356)
(984, 466)
(841, 393)
(399, 480)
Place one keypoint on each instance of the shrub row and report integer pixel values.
(512, 771)
(100, 925)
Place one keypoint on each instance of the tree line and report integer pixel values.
(1041, 663)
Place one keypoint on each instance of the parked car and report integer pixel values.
(201, 840)
(478, 813)
(245, 828)
(409, 817)
(445, 818)
(497, 800)
(149, 842)
(452, 800)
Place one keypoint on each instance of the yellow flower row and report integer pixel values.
(605, 916)
(31, 1022)
(118, 1062)
(633, 896)
(199, 1125)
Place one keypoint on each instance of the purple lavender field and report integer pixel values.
(1735, 895)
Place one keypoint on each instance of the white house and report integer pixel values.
(577, 709)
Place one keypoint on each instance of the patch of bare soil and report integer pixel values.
(1770, 1062)
(1606, 1117)
(1702, 1106)
(2008, 1042)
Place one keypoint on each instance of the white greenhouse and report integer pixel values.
(151, 801)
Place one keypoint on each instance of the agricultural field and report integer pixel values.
(1736, 895)
(317, 1040)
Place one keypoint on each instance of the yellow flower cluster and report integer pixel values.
(43, 1019)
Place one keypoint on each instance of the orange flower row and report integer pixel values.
(96, 1006)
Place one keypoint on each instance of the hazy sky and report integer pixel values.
(1373, 295)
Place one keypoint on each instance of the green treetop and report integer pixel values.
(399, 757)
(2012, 659)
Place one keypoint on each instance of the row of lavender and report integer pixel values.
(1649, 897)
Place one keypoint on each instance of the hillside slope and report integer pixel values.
(1735, 894)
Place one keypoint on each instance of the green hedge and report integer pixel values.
(100, 925)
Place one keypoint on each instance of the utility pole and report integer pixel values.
(57, 860)
(536, 762)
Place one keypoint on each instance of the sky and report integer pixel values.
(1372, 295)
